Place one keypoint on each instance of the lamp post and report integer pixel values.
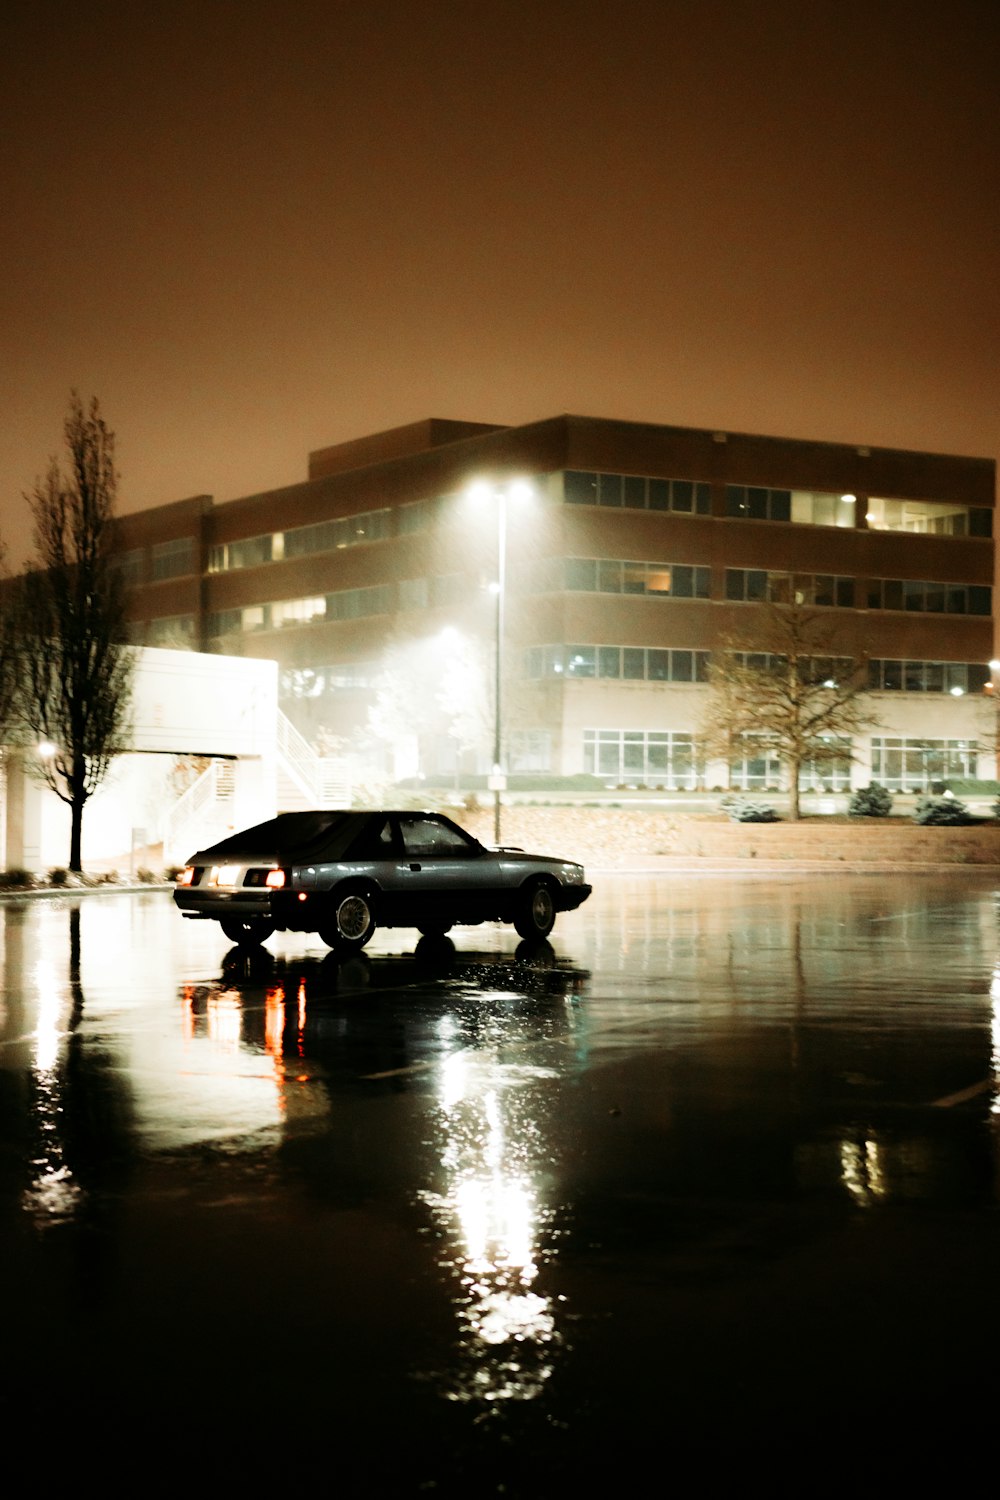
(500, 495)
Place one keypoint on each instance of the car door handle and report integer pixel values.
(414, 867)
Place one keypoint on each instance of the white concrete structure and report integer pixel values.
(198, 721)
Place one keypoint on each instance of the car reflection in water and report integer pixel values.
(459, 1027)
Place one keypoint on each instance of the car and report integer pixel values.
(343, 874)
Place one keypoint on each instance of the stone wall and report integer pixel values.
(618, 837)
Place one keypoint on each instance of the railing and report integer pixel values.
(201, 814)
(322, 780)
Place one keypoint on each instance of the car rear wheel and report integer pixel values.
(351, 921)
(433, 928)
(535, 915)
(246, 930)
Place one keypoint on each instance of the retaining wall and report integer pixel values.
(618, 837)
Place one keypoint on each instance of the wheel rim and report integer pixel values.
(353, 918)
(541, 906)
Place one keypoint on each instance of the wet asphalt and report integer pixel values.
(702, 1193)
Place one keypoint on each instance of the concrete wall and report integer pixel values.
(184, 706)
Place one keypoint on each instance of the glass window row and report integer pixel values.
(904, 764)
(300, 541)
(637, 492)
(174, 559)
(827, 590)
(614, 576)
(346, 604)
(957, 677)
(753, 585)
(674, 761)
(432, 593)
(628, 663)
(922, 596)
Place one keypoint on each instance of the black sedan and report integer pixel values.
(342, 874)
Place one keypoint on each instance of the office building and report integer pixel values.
(631, 552)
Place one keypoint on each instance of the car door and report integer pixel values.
(444, 871)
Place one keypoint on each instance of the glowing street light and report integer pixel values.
(482, 491)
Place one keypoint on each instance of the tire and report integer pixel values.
(535, 915)
(432, 929)
(246, 931)
(351, 921)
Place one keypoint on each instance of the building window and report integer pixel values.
(636, 492)
(627, 663)
(172, 559)
(355, 604)
(801, 507)
(923, 597)
(750, 502)
(910, 765)
(345, 531)
(131, 566)
(171, 631)
(251, 552)
(435, 593)
(928, 517)
(955, 677)
(755, 585)
(418, 515)
(614, 576)
(757, 767)
(298, 611)
(641, 757)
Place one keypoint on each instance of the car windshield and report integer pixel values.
(296, 833)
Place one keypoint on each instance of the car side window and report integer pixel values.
(424, 837)
(379, 842)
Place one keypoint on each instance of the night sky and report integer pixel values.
(253, 229)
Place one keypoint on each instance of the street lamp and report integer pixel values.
(483, 491)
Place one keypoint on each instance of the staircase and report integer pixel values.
(306, 779)
(204, 813)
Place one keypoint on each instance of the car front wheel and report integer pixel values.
(246, 930)
(351, 921)
(535, 915)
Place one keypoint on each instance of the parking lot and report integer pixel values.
(710, 1178)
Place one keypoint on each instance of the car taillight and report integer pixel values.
(186, 876)
(276, 879)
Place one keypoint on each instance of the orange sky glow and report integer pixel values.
(255, 229)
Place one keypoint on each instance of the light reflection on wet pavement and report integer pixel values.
(713, 1172)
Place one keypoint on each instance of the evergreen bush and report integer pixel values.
(874, 801)
(941, 811)
(751, 812)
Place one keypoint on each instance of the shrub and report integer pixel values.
(145, 876)
(874, 801)
(941, 811)
(16, 880)
(752, 812)
(58, 876)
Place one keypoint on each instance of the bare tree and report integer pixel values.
(788, 682)
(75, 670)
(8, 650)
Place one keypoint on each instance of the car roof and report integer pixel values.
(310, 829)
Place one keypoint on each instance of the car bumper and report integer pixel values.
(572, 896)
(218, 904)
